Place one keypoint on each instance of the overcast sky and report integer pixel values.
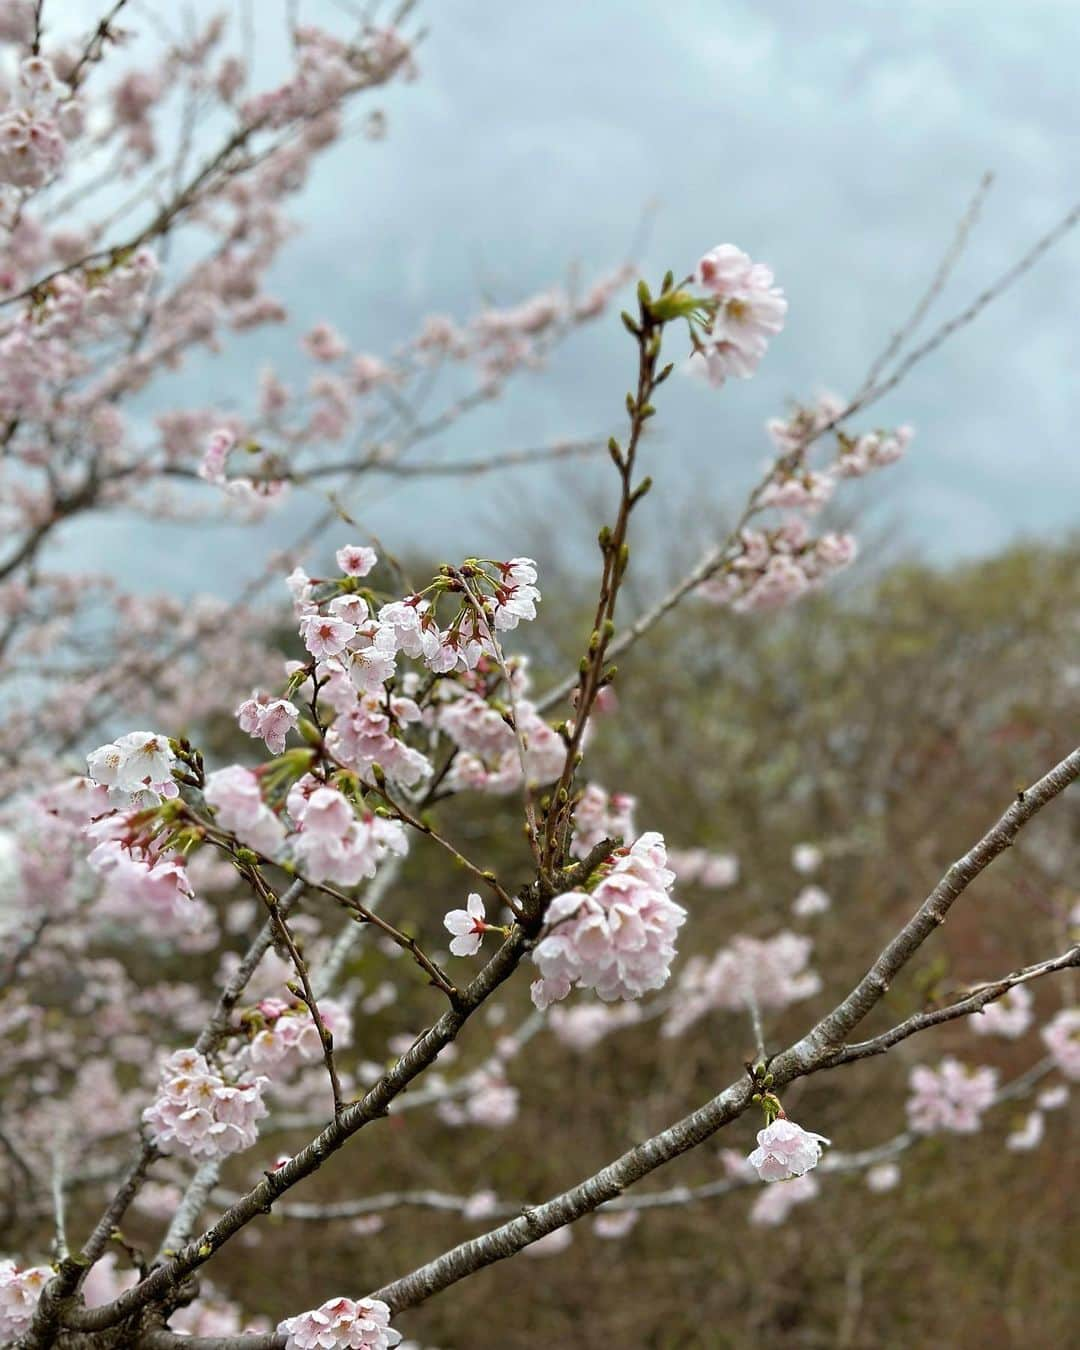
(838, 142)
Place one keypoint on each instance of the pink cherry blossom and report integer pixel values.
(551, 1244)
(324, 343)
(785, 1150)
(267, 719)
(618, 939)
(1061, 1036)
(332, 842)
(749, 310)
(770, 972)
(20, 1289)
(598, 816)
(772, 1207)
(200, 1115)
(324, 635)
(289, 1037)
(1009, 1016)
(697, 866)
(1053, 1098)
(355, 560)
(616, 1223)
(218, 449)
(239, 806)
(341, 1323)
(952, 1097)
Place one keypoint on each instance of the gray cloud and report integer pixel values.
(838, 142)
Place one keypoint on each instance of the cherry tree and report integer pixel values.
(143, 206)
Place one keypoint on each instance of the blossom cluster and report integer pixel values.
(136, 768)
(35, 129)
(772, 568)
(767, 972)
(367, 643)
(952, 1097)
(199, 1115)
(1009, 1016)
(700, 867)
(746, 310)
(769, 568)
(333, 843)
(599, 816)
(1061, 1036)
(617, 939)
(341, 1324)
(237, 799)
(489, 1100)
(20, 1290)
(268, 719)
(146, 886)
(287, 1037)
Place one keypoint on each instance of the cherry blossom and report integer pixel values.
(768, 972)
(288, 1037)
(713, 871)
(341, 1322)
(1052, 1099)
(198, 1114)
(614, 1224)
(516, 595)
(785, 1150)
(1009, 1016)
(333, 843)
(598, 816)
(135, 768)
(20, 1289)
(1029, 1135)
(747, 311)
(1062, 1038)
(551, 1244)
(268, 719)
(234, 793)
(806, 858)
(883, 1177)
(618, 939)
(468, 927)
(811, 900)
(952, 1097)
(324, 635)
(490, 1101)
(324, 343)
(772, 1207)
(584, 1025)
(480, 1205)
(355, 560)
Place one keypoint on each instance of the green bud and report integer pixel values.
(675, 305)
(640, 491)
(309, 731)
